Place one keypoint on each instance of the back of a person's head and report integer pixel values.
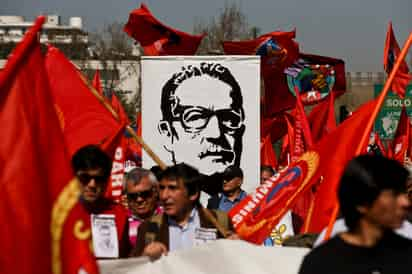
(189, 175)
(267, 169)
(92, 157)
(363, 179)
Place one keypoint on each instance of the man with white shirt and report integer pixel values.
(184, 222)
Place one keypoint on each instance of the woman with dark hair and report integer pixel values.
(373, 203)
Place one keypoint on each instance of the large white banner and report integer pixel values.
(204, 111)
(222, 256)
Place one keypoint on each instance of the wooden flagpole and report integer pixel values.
(138, 139)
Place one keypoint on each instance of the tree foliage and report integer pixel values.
(230, 25)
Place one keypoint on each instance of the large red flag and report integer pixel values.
(157, 38)
(401, 140)
(43, 224)
(391, 52)
(322, 119)
(335, 150)
(267, 154)
(321, 167)
(278, 50)
(83, 118)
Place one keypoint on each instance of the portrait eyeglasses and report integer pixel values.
(143, 194)
(85, 178)
(194, 119)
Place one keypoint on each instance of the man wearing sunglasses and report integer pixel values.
(92, 167)
(203, 117)
(142, 199)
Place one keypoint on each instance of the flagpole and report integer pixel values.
(366, 133)
(138, 139)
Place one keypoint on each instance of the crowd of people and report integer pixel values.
(160, 212)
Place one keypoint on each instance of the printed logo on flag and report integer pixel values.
(273, 51)
(255, 216)
(313, 81)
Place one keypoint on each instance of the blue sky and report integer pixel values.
(353, 30)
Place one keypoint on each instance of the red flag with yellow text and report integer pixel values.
(158, 39)
(43, 223)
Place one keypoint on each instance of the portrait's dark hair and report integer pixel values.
(364, 178)
(92, 157)
(268, 169)
(214, 70)
(190, 176)
(170, 102)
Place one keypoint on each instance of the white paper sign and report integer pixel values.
(204, 111)
(104, 235)
(205, 235)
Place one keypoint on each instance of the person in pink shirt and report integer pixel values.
(142, 198)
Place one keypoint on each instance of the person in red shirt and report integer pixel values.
(92, 167)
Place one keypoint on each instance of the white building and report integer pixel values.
(122, 77)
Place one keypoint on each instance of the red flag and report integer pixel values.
(157, 38)
(315, 77)
(322, 118)
(276, 126)
(278, 50)
(42, 217)
(334, 151)
(118, 108)
(83, 118)
(255, 216)
(380, 145)
(401, 140)
(267, 154)
(116, 147)
(390, 53)
(97, 83)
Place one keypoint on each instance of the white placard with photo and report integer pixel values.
(204, 111)
(104, 236)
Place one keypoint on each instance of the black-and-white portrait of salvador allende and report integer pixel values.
(203, 117)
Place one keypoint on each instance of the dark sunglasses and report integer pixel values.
(144, 194)
(85, 178)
